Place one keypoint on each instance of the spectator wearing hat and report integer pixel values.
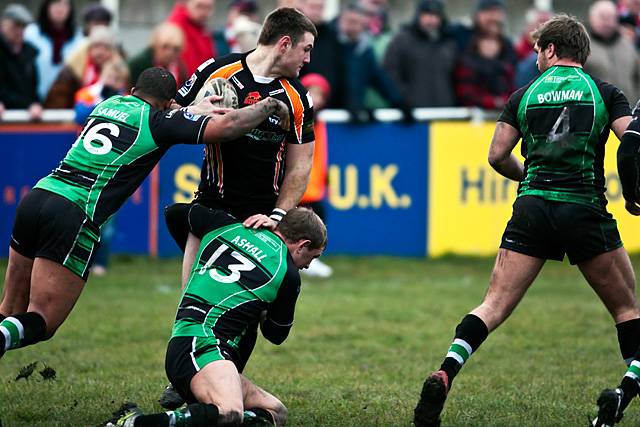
(191, 16)
(315, 194)
(242, 21)
(164, 51)
(424, 45)
(489, 19)
(55, 36)
(18, 75)
(613, 58)
(95, 15)
(82, 68)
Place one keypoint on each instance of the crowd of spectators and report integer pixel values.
(52, 61)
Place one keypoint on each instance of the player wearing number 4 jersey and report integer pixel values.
(57, 227)
(241, 277)
(563, 119)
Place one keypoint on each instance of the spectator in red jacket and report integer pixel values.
(484, 78)
(533, 19)
(191, 17)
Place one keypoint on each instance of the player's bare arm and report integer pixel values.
(298, 167)
(501, 158)
(235, 123)
(620, 125)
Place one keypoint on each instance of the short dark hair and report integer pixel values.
(303, 224)
(285, 21)
(568, 35)
(156, 83)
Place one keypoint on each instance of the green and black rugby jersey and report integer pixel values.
(564, 118)
(121, 142)
(250, 171)
(238, 273)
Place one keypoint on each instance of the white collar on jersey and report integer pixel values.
(263, 80)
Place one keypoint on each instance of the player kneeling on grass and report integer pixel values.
(241, 277)
(57, 226)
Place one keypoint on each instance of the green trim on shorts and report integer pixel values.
(209, 355)
(81, 253)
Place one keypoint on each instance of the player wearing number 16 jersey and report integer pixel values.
(563, 119)
(57, 226)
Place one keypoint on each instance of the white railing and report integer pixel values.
(329, 116)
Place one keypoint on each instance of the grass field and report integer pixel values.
(362, 344)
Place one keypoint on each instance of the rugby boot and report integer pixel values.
(432, 398)
(609, 408)
(125, 416)
(170, 399)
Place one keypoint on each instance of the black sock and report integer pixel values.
(262, 413)
(202, 415)
(21, 330)
(470, 333)
(152, 420)
(2, 317)
(35, 328)
(630, 388)
(629, 339)
(194, 415)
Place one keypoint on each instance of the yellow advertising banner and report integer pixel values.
(470, 203)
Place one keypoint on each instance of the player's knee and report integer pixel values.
(280, 413)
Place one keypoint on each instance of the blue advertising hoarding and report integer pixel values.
(377, 189)
(376, 204)
(31, 152)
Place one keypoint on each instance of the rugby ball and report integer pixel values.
(220, 87)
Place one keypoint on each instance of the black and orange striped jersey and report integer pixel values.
(249, 171)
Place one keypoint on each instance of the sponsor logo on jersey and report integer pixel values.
(274, 120)
(190, 116)
(275, 92)
(560, 79)
(205, 63)
(560, 96)
(237, 82)
(171, 113)
(186, 87)
(252, 98)
(266, 136)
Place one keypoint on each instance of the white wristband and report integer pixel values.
(277, 214)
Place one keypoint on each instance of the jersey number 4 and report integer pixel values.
(234, 269)
(560, 130)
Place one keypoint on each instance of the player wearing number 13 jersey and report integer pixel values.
(563, 119)
(57, 226)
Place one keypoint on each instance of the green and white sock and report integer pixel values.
(460, 350)
(13, 333)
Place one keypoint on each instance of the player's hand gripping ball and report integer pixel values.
(218, 87)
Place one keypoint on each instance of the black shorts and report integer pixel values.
(241, 209)
(50, 226)
(176, 216)
(548, 229)
(186, 356)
